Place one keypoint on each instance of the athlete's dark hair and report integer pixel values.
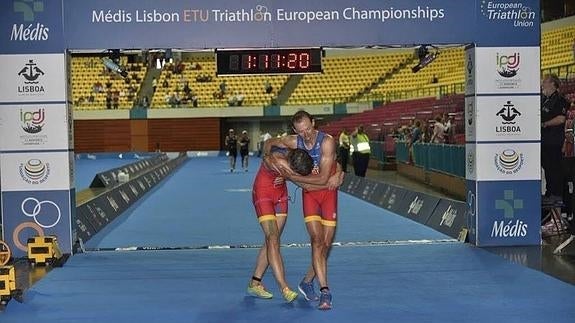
(298, 116)
(300, 161)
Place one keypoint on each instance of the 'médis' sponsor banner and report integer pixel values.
(33, 78)
(31, 26)
(505, 214)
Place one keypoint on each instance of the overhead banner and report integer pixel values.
(101, 24)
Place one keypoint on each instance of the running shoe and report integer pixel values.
(324, 300)
(289, 295)
(306, 289)
(259, 291)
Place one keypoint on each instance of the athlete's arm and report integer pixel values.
(325, 165)
(333, 183)
(282, 142)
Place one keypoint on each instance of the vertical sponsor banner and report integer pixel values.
(503, 149)
(36, 165)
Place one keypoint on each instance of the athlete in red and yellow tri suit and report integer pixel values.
(269, 196)
(321, 205)
(270, 199)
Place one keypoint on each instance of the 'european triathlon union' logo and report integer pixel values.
(28, 8)
(509, 228)
(512, 11)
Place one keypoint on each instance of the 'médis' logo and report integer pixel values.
(512, 11)
(508, 66)
(28, 30)
(510, 226)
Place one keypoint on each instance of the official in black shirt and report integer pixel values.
(553, 109)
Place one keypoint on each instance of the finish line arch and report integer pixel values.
(502, 68)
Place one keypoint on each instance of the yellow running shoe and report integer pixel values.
(289, 295)
(259, 291)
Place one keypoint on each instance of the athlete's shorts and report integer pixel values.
(320, 206)
(269, 200)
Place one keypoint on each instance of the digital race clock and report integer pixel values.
(268, 61)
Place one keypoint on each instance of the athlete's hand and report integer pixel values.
(285, 172)
(279, 181)
(334, 181)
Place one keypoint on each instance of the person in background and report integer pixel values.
(245, 149)
(553, 109)
(438, 136)
(361, 151)
(344, 149)
(231, 142)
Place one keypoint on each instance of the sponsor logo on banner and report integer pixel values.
(29, 29)
(507, 66)
(508, 115)
(512, 12)
(470, 121)
(510, 226)
(471, 211)
(469, 68)
(470, 111)
(30, 76)
(125, 196)
(113, 203)
(448, 216)
(45, 213)
(415, 206)
(509, 161)
(32, 121)
(470, 162)
(34, 171)
(134, 190)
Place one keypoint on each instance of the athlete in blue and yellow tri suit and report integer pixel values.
(320, 203)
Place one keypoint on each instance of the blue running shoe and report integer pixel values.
(306, 289)
(325, 300)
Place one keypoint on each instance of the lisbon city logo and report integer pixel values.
(508, 113)
(31, 74)
(34, 171)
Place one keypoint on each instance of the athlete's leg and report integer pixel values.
(262, 260)
(321, 237)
